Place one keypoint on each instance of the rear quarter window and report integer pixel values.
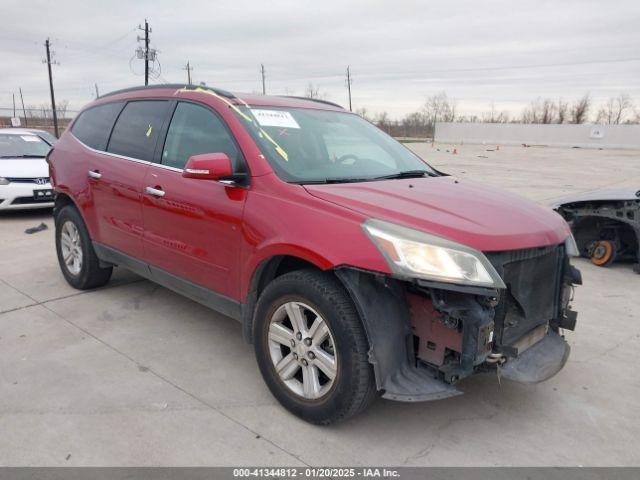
(136, 131)
(94, 125)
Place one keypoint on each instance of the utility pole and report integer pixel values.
(349, 87)
(145, 52)
(23, 109)
(53, 98)
(188, 68)
(97, 93)
(264, 89)
(14, 105)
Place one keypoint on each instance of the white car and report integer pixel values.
(24, 172)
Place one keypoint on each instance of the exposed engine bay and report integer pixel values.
(426, 336)
(460, 333)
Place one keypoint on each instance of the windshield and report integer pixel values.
(26, 146)
(46, 136)
(317, 146)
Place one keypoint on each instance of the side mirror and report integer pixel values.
(208, 166)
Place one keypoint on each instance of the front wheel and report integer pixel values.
(311, 347)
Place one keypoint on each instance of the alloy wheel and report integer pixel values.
(71, 246)
(302, 350)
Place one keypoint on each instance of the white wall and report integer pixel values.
(585, 136)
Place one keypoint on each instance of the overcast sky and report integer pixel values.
(479, 52)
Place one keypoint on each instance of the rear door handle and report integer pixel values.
(154, 191)
(95, 174)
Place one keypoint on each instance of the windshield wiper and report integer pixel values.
(405, 174)
(333, 180)
(22, 156)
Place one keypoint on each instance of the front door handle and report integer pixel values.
(95, 174)
(156, 192)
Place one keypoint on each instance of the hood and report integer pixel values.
(475, 215)
(605, 194)
(24, 167)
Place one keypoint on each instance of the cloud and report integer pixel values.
(502, 52)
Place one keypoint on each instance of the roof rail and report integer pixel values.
(326, 102)
(222, 93)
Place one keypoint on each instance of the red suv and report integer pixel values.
(355, 268)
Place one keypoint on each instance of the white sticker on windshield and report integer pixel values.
(30, 138)
(275, 118)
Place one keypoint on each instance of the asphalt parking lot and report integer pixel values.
(133, 374)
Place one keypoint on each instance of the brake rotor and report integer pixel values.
(602, 253)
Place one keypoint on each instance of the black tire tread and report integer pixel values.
(364, 388)
(92, 274)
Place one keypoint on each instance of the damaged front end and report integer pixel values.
(427, 335)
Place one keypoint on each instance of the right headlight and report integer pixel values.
(4, 181)
(414, 254)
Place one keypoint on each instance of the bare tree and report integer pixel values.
(615, 110)
(563, 111)
(364, 113)
(383, 122)
(414, 124)
(61, 108)
(540, 111)
(313, 91)
(438, 108)
(493, 116)
(470, 118)
(580, 109)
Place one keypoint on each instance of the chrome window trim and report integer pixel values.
(124, 157)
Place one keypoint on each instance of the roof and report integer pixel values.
(236, 98)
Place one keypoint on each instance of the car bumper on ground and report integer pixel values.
(20, 196)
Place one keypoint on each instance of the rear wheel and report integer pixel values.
(76, 256)
(311, 347)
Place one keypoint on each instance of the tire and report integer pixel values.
(318, 295)
(85, 273)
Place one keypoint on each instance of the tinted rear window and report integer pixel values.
(136, 131)
(94, 125)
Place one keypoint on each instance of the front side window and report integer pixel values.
(316, 146)
(22, 146)
(194, 130)
(94, 125)
(137, 128)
